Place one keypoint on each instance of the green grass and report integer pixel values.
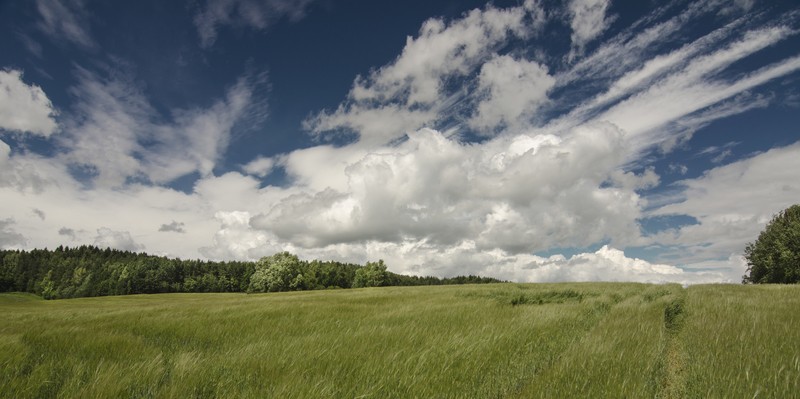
(743, 342)
(485, 341)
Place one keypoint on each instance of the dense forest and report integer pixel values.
(90, 271)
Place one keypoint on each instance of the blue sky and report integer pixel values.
(581, 140)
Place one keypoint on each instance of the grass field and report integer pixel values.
(486, 341)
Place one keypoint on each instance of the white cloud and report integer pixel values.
(440, 50)
(588, 21)
(375, 125)
(637, 78)
(102, 133)
(122, 240)
(693, 89)
(28, 173)
(5, 155)
(630, 49)
(521, 193)
(253, 14)
(197, 138)
(732, 204)
(609, 264)
(408, 93)
(24, 108)
(514, 88)
(422, 199)
(65, 20)
(113, 120)
(261, 166)
(678, 168)
(76, 212)
(235, 239)
(606, 264)
(737, 7)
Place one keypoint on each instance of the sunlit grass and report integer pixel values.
(505, 340)
(742, 341)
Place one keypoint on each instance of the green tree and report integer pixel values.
(775, 256)
(374, 274)
(48, 286)
(279, 272)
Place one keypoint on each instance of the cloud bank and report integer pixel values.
(465, 154)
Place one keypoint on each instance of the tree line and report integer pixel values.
(87, 271)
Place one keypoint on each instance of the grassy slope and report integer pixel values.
(561, 340)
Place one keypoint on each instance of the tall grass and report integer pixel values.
(621, 356)
(505, 340)
(742, 342)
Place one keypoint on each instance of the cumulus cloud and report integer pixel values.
(236, 240)
(522, 193)
(409, 93)
(610, 264)
(65, 20)
(24, 108)
(254, 14)
(528, 189)
(122, 240)
(513, 88)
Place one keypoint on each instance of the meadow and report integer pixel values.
(473, 341)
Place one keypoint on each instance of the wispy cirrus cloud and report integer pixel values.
(66, 20)
(114, 133)
(254, 14)
(588, 20)
(732, 203)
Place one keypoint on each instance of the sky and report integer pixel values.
(533, 141)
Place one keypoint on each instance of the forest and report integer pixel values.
(89, 271)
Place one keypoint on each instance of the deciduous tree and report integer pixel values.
(775, 256)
